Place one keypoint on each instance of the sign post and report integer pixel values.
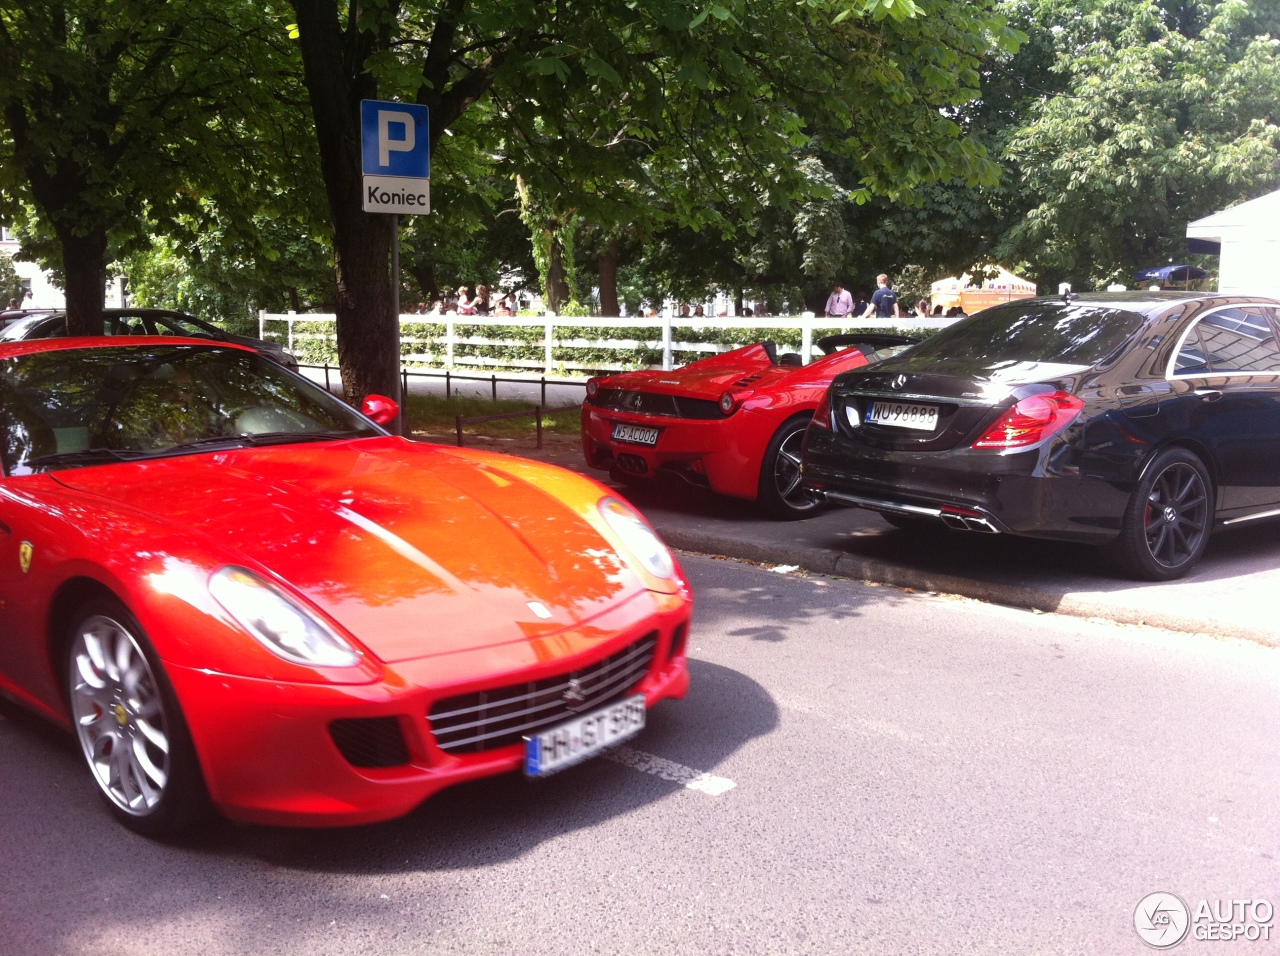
(395, 160)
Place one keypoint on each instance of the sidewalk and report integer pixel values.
(1230, 594)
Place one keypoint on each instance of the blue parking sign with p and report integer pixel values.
(394, 139)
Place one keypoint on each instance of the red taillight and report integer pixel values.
(822, 414)
(593, 387)
(1032, 420)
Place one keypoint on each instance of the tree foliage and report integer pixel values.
(643, 116)
(120, 115)
(1171, 110)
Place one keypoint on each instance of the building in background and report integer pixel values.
(41, 292)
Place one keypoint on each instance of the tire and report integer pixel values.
(130, 728)
(1167, 522)
(780, 494)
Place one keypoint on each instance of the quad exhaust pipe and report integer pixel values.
(960, 522)
(955, 519)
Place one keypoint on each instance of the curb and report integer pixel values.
(820, 561)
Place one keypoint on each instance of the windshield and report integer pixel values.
(1050, 332)
(73, 407)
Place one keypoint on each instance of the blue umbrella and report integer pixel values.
(1171, 274)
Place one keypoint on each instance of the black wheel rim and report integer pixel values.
(786, 473)
(1177, 515)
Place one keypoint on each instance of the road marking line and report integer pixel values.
(687, 777)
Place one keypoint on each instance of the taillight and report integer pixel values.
(730, 400)
(1031, 421)
(822, 414)
(593, 387)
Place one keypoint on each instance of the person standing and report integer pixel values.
(839, 302)
(884, 302)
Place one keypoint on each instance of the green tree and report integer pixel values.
(10, 284)
(1170, 111)
(120, 116)
(640, 115)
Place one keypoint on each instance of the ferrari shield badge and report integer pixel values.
(25, 551)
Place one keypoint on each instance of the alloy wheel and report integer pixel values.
(1176, 518)
(786, 472)
(119, 715)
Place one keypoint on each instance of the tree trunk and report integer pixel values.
(608, 264)
(368, 334)
(426, 279)
(84, 263)
(557, 280)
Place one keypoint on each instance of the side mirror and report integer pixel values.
(381, 409)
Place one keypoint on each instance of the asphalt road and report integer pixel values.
(856, 770)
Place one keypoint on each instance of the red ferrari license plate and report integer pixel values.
(636, 434)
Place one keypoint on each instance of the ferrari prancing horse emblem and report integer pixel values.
(25, 551)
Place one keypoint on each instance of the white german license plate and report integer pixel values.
(902, 415)
(635, 434)
(583, 737)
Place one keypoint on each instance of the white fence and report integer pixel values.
(440, 350)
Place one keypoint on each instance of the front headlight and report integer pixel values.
(640, 539)
(282, 627)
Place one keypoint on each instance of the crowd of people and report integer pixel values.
(883, 304)
(842, 303)
(463, 303)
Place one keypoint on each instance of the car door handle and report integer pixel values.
(1209, 394)
(5, 528)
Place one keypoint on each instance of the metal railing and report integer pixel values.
(450, 376)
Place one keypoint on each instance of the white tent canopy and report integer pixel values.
(1250, 238)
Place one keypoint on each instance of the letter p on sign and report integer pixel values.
(387, 145)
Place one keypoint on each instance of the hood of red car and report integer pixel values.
(747, 367)
(412, 548)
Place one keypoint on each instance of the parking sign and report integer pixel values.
(395, 157)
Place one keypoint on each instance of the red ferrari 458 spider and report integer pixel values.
(240, 594)
(732, 423)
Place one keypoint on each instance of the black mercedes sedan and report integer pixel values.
(1139, 421)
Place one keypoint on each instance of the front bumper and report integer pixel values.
(269, 755)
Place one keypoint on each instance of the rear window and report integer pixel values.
(1042, 332)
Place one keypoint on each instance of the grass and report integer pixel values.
(434, 414)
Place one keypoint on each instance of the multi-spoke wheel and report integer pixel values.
(129, 725)
(781, 492)
(1167, 523)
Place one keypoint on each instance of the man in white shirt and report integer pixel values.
(839, 303)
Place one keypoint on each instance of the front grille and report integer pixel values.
(652, 403)
(471, 723)
(370, 741)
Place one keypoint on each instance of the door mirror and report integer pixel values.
(381, 409)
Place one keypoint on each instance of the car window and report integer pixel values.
(70, 407)
(1035, 331)
(172, 325)
(125, 325)
(1230, 340)
(36, 327)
